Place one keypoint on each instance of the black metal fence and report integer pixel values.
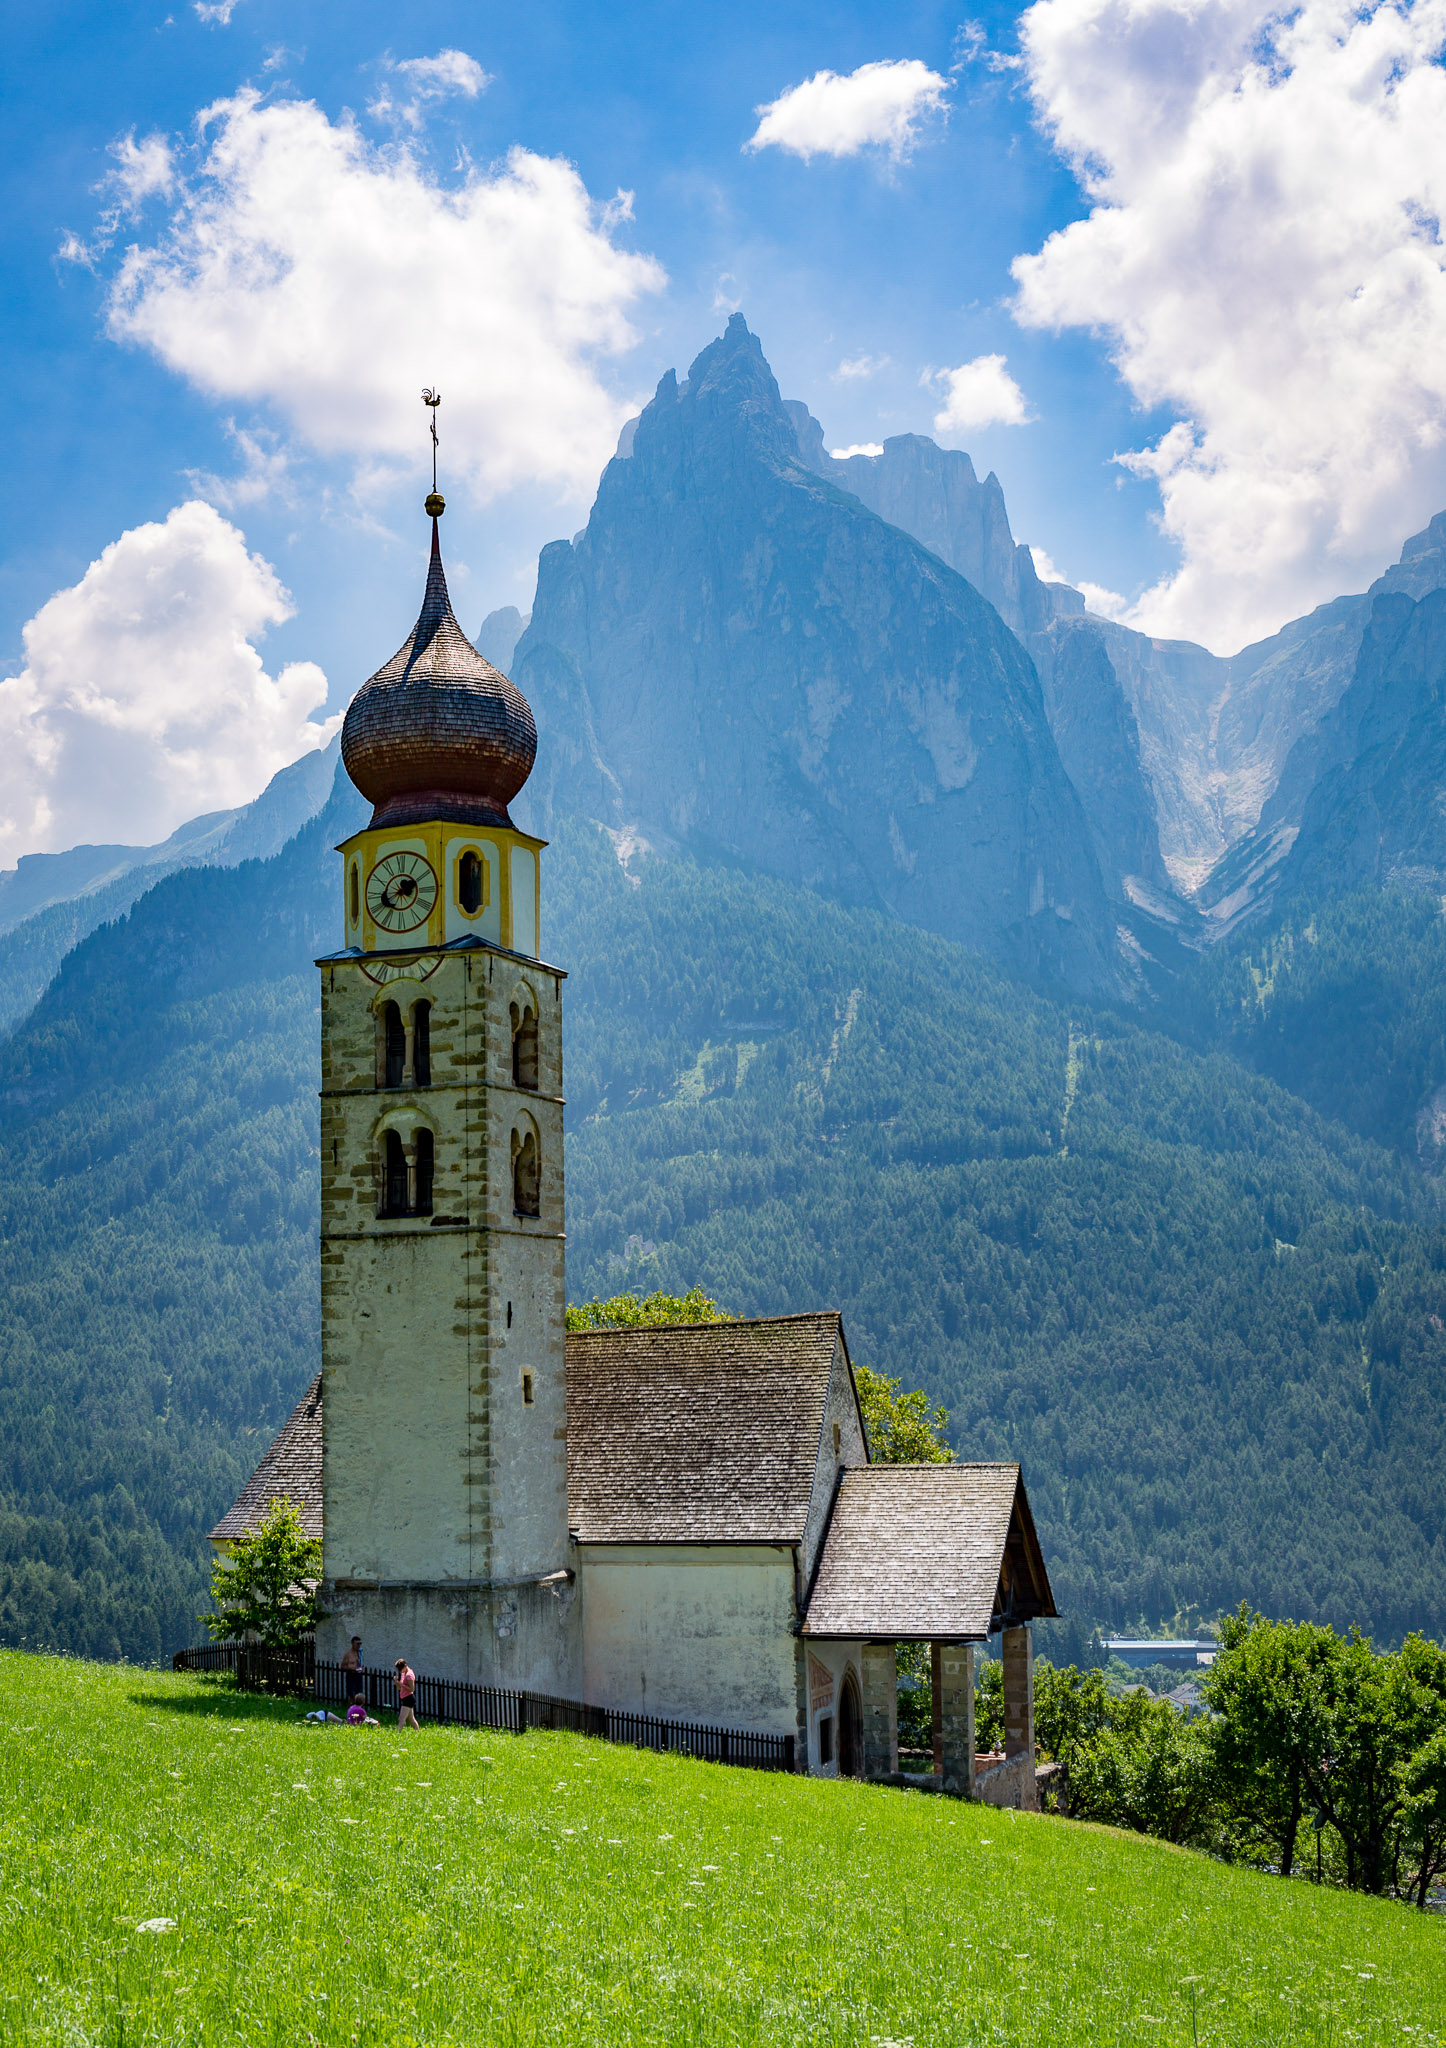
(299, 1673)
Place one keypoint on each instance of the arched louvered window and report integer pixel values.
(471, 888)
(394, 1046)
(422, 1045)
(524, 1045)
(424, 1154)
(526, 1175)
(394, 1175)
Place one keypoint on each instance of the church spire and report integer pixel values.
(438, 732)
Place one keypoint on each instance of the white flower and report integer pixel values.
(155, 1927)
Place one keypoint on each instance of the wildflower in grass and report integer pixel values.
(155, 1927)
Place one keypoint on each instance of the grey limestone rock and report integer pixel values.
(738, 657)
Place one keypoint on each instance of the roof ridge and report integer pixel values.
(808, 1315)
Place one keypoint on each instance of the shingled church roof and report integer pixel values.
(710, 1433)
(697, 1432)
(928, 1553)
(291, 1470)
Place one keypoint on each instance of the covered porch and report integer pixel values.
(945, 1555)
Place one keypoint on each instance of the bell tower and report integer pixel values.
(442, 1293)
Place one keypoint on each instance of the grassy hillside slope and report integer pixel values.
(1200, 1313)
(453, 1888)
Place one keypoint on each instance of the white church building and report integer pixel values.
(682, 1521)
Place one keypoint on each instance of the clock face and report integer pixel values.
(401, 890)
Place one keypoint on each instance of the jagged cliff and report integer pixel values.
(1362, 797)
(738, 657)
(935, 494)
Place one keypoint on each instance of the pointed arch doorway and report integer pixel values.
(850, 1729)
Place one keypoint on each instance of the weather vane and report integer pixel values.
(436, 503)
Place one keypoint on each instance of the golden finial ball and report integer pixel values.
(436, 505)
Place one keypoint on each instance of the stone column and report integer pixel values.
(953, 1673)
(409, 1066)
(881, 1709)
(1018, 1646)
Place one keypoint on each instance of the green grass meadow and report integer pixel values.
(347, 1886)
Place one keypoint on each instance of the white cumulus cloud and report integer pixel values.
(857, 448)
(451, 74)
(832, 114)
(1264, 252)
(978, 394)
(305, 270)
(142, 701)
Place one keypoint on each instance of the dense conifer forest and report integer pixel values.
(1205, 1312)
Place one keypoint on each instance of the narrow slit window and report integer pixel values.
(422, 1045)
(354, 893)
(471, 883)
(394, 1175)
(395, 1036)
(424, 1152)
(527, 1389)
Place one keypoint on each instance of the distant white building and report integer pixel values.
(682, 1522)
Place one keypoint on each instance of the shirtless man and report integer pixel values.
(351, 1664)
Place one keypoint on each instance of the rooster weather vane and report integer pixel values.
(436, 503)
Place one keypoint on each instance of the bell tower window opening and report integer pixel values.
(472, 882)
(524, 1046)
(422, 1045)
(424, 1149)
(394, 1175)
(354, 893)
(526, 1175)
(394, 1046)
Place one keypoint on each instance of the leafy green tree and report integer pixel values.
(903, 1429)
(989, 1706)
(1265, 1689)
(632, 1311)
(265, 1587)
(1158, 1778)
(1375, 1713)
(1071, 1708)
(1423, 1813)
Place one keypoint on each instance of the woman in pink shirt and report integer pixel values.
(406, 1695)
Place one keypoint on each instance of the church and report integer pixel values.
(681, 1521)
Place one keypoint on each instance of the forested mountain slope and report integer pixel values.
(1340, 1000)
(1202, 1315)
(49, 901)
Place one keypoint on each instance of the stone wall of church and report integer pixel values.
(692, 1632)
(841, 1443)
(527, 1638)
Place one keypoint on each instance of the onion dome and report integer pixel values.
(438, 732)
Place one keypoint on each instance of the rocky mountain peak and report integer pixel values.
(738, 656)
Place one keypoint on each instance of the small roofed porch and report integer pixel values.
(945, 1555)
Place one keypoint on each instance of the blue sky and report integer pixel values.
(1201, 323)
